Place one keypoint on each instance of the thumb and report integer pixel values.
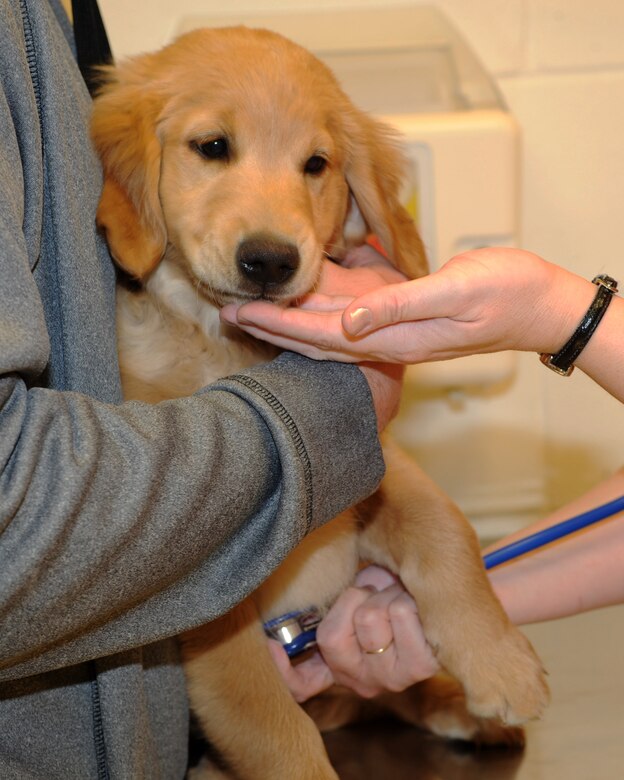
(305, 679)
(387, 305)
(425, 298)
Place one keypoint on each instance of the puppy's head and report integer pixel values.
(235, 153)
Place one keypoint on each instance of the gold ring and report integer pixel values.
(381, 649)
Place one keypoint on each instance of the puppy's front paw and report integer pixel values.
(507, 682)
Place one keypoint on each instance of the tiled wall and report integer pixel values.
(560, 67)
(567, 92)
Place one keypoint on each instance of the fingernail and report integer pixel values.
(361, 319)
(228, 315)
(369, 588)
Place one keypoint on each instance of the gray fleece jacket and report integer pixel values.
(122, 524)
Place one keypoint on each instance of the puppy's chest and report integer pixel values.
(169, 351)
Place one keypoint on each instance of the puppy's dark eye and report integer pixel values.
(315, 165)
(214, 149)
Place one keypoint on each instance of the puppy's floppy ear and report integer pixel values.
(375, 171)
(123, 129)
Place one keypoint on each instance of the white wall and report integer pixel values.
(560, 67)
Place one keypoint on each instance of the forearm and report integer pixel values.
(125, 524)
(576, 574)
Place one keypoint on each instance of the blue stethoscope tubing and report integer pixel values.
(552, 534)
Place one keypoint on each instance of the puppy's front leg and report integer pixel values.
(414, 529)
(244, 706)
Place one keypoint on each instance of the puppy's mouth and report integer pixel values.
(220, 297)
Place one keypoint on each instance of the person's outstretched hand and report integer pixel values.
(376, 614)
(485, 300)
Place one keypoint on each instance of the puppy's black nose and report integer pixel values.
(266, 261)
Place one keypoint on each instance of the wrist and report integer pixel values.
(385, 381)
(561, 305)
(564, 360)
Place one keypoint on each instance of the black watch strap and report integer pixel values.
(563, 362)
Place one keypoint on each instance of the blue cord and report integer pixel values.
(547, 535)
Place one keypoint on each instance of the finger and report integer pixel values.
(324, 303)
(304, 348)
(375, 576)
(229, 314)
(336, 635)
(304, 680)
(294, 322)
(415, 659)
(375, 669)
(339, 643)
(407, 657)
(281, 659)
(418, 299)
(317, 334)
(371, 620)
(314, 675)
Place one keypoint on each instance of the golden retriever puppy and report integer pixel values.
(233, 163)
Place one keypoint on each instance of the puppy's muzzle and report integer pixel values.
(266, 262)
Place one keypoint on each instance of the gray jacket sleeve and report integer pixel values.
(122, 523)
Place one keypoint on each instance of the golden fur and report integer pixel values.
(211, 151)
